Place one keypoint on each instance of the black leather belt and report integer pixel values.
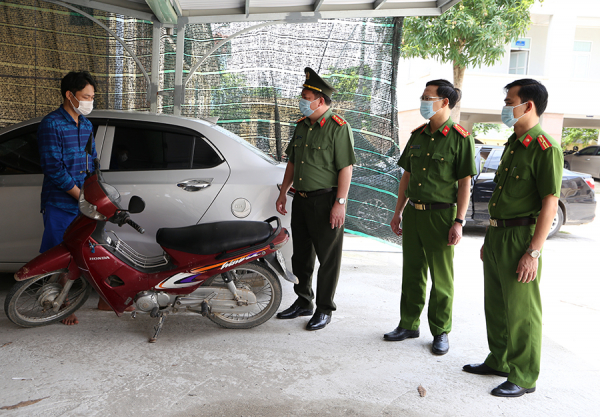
(433, 206)
(521, 221)
(307, 194)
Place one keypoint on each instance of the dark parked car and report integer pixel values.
(577, 204)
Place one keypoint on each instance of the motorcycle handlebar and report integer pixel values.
(136, 226)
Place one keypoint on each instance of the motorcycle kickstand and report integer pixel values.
(158, 327)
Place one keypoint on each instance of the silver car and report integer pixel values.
(188, 171)
(586, 160)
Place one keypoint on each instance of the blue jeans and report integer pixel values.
(56, 222)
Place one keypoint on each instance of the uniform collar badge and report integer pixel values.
(527, 140)
(445, 130)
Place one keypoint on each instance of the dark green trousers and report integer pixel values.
(425, 246)
(312, 236)
(513, 310)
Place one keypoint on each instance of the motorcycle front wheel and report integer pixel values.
(263, 283)
(30, 303)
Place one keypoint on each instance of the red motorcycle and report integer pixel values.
(226, 271)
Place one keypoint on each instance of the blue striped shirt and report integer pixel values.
(62, 154)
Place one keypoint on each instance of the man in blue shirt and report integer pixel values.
(62, 137)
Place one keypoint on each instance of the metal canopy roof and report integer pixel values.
(211, 11)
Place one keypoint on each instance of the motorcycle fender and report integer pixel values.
(52, 260)
(273, 263)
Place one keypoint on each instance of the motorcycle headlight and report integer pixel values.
(88, 209)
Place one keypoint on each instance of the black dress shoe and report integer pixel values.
(294, 311)
(483, 369)
(318, 321)
(440, 344)
(508, 389)
(399, 334)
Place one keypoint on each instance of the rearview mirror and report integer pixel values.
(136, 205)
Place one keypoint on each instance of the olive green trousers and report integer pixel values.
(425, 246)
(513, 310)
(313, 237)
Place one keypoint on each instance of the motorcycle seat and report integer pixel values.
(211, 238)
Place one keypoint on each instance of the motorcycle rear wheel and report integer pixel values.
(29, 302)
(263, 283)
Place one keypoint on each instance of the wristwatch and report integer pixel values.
(342, 201)
(460, 221)
(534, 253)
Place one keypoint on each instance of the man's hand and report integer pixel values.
(481, 253)
(527, 269)
(338, 213)
(455, 234)
(280, 204)
(395, 224)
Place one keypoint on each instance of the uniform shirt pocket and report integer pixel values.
(414, 159)
(320, 154)
(444, 163)
(519, 183)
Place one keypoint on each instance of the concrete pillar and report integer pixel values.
(408, 121)
(552, 123)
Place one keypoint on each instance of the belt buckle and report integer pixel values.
(420, 206)
(302, 194)
(493, 222)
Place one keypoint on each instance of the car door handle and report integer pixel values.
(194, 185)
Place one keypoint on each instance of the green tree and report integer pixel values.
(577, 136)
(483, 128)
(470, 34)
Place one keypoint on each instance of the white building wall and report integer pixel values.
(556, 25)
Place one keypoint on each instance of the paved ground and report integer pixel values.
(105, 367)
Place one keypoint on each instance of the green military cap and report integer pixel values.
(314, 82)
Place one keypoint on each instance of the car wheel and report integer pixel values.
(557, 222)
(567, 165)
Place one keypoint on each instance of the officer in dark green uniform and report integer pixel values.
(438, 163)
(522, 207)
(321, 155)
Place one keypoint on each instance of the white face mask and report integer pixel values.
(85, 107)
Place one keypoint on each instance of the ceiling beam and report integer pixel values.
(446, 4)
(378, 4)
(126, 8)
(277, 14)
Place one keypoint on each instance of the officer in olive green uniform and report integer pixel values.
(321, 156)
(522, 207)
(437, 163)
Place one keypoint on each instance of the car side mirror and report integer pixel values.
(575, 148)
(136, 205)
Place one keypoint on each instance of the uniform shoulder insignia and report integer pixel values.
(424, 124)
(300, 119)
(544, 142)
(338, 120)
(461, 130)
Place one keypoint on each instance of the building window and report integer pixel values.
(582, 55)
(519, 56)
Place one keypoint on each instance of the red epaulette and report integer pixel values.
(338, 120)
(544, 143)
(463, 132)
(300, 119)
(424, 124)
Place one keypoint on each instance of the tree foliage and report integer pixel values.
(577, 136)
(470, 34)
(483, 128)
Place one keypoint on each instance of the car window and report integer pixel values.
(147, 149)
(19, 152)
(492, 161)
(588, 151)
